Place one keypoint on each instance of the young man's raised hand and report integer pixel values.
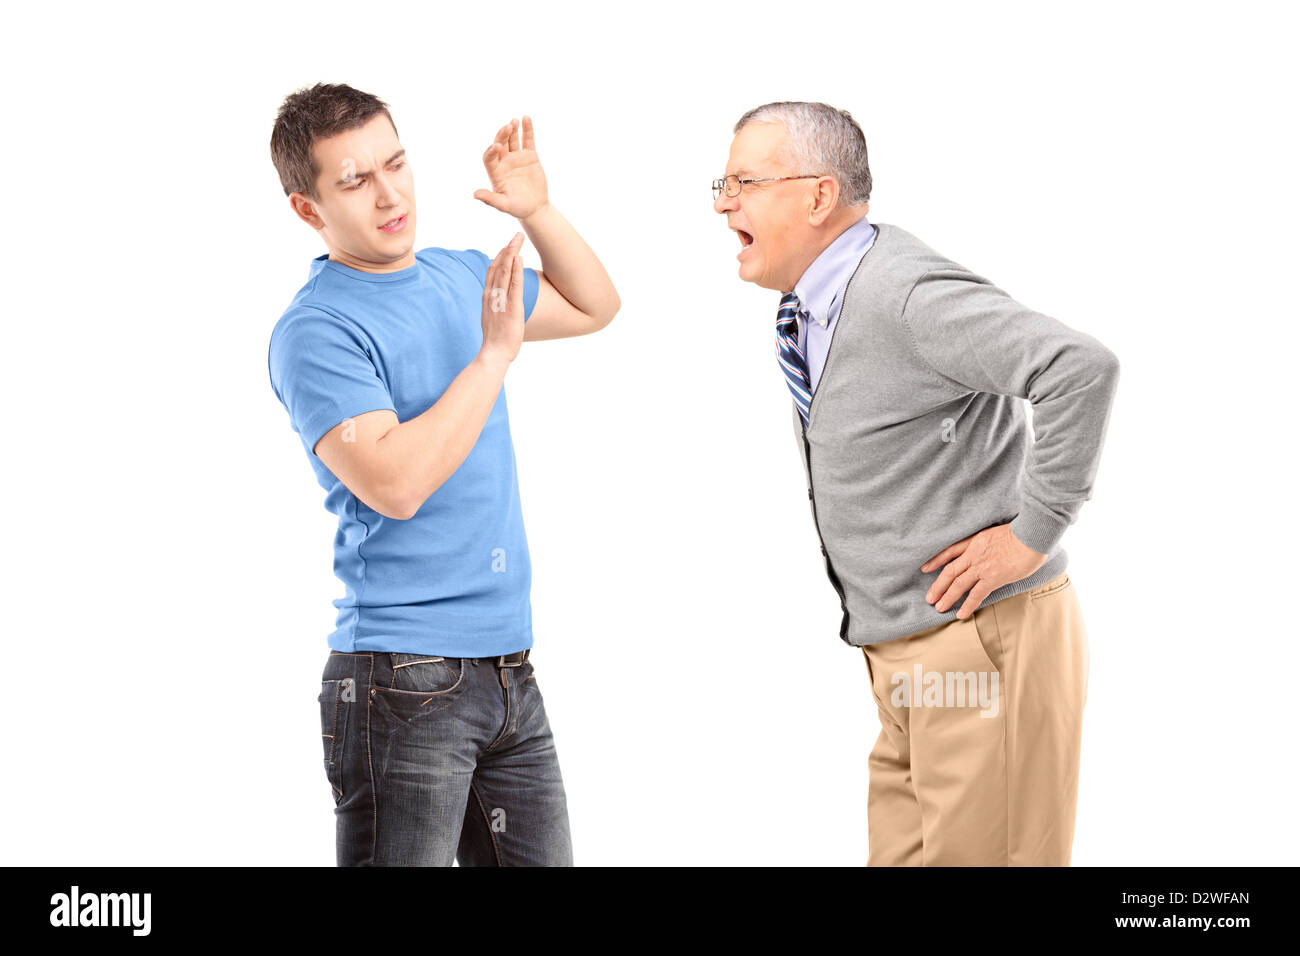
(503, 302)
(518, 183)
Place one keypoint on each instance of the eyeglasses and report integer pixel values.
(733, 183)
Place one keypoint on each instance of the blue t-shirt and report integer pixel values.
(454, 579)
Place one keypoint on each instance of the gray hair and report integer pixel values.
(820, 139)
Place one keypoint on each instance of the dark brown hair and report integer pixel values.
(308, 115)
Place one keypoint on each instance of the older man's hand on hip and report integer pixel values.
(981, 564)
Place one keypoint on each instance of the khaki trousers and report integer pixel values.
(977, 763)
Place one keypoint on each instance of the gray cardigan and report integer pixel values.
(917, 436)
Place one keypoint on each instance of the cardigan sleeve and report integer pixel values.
(975, 335)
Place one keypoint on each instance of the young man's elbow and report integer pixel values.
(608, 315)
(396, 508)
(388, 499)
(405, 507)
(403, 513)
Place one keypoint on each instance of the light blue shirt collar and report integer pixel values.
(820, 289)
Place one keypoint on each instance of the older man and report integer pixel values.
(907, 372)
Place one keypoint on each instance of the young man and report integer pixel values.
(907, 373)
(391, 364)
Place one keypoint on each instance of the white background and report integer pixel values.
(1126, 168)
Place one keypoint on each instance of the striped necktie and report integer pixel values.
(790, 357)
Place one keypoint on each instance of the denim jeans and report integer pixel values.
(431, 759)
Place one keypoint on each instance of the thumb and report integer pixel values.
(489, 197)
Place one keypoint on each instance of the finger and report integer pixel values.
(502, 261)
(947, 554)
(977, 595)
(514, 135)
(517, 281)
(499, 278)
(529, 141)
(504, 257)
(489, 197)
(960, 586)
(493, 152)
(489, 280)
(515, 294)
(949, 573)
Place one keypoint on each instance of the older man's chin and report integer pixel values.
(743, 264)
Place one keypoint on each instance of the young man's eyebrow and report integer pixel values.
(355, 176)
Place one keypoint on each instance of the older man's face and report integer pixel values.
(771, 219)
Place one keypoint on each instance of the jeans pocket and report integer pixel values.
(419, 687)
(336, 700)
(425, 674)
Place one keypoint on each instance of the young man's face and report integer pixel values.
(365, 182)
(773, 215)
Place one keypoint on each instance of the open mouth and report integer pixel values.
(745, 238)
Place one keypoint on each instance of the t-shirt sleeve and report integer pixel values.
(322, 372)
(477, 262)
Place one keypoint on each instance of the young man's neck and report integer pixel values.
(405, 262)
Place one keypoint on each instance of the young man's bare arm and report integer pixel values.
(395, 466)
(575, 295)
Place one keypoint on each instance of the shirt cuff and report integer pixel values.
(320, 424)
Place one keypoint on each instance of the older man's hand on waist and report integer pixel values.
(981, 564)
